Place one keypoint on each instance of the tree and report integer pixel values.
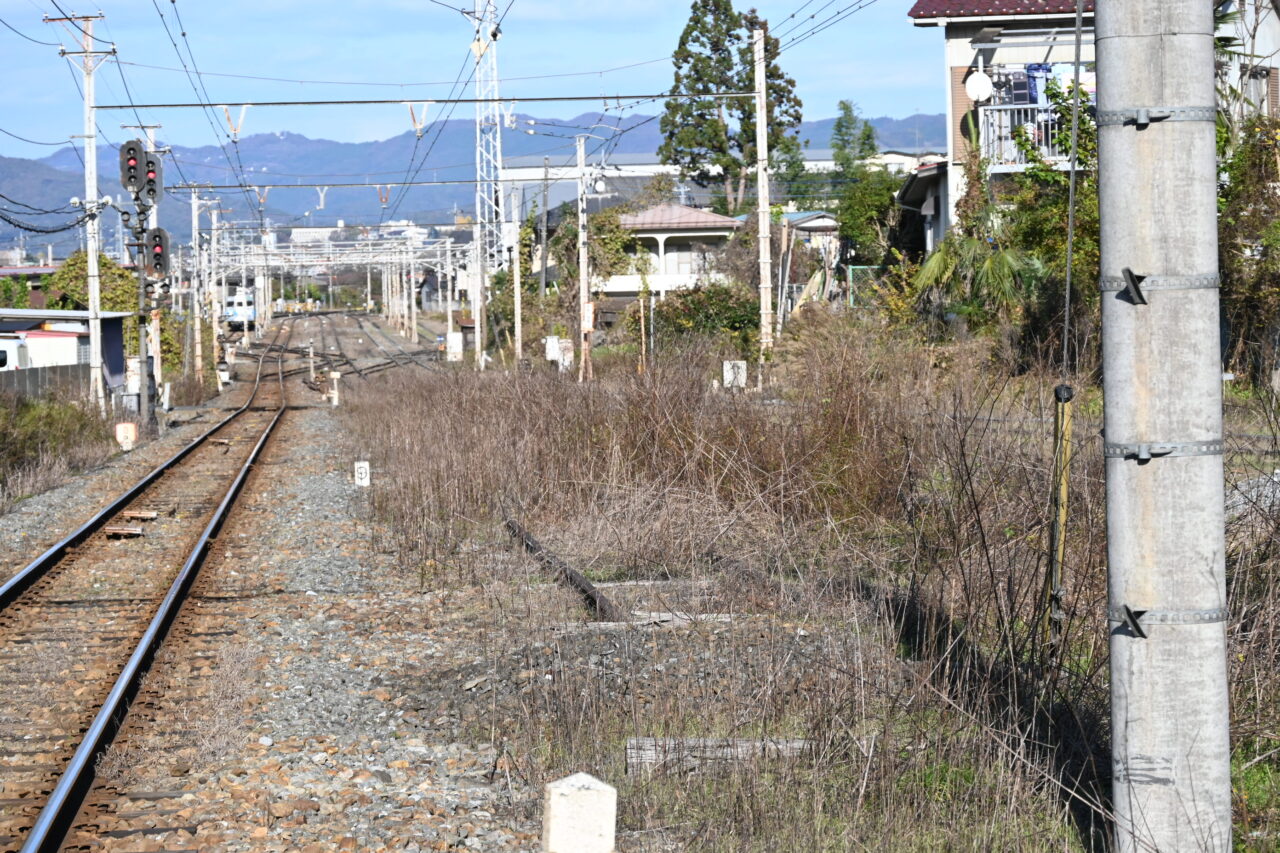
(712, 139)
(865, 192)
(853, 140)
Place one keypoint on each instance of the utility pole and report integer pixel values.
(413, 296)
(90, 59)
(516, 295)
(584, 290)
(1162, 384)
(542, 254)
(762, 202)
(197, 304)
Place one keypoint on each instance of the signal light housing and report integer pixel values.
(155, 253)
(131, 156)
(152, 178)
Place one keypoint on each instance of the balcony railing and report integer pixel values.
(997, 126)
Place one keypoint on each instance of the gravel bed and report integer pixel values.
(333, 753)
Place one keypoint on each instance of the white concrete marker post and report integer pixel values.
(335, 376)
(311, 361)
(579, 815)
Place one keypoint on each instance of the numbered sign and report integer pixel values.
(362, 474)
(735, 375)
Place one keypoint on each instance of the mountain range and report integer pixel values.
(444, 152)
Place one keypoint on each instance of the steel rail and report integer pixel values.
(33, 571)
(63, 804)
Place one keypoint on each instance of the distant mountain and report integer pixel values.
(443, 153)
(916, 133)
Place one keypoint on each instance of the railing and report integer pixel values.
(659, 283)
(997, 126)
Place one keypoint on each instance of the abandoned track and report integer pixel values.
(80, 625)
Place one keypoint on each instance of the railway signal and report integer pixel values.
(131, 156)
(155, 250)
(152, 178)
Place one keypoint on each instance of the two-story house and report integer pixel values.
(999, 57)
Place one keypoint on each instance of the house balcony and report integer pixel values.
(996, 128)
(659, 283)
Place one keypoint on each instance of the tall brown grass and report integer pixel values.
(888, 503)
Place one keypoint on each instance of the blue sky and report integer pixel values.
(874, 57)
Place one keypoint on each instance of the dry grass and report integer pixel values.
(43, 441)
(890, 509)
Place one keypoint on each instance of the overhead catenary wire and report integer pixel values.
(192, 74)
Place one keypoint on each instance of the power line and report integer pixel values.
(827, 23)
(191, 80)
(30, 141)
(554, 99)
(405, 85)
(16, 31)
(73, 22)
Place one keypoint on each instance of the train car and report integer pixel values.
(241, 314)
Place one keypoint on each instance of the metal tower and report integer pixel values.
(489, 206)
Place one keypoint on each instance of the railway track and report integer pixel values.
(398, 354)
(81, 623)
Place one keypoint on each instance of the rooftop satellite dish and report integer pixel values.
(978, 86)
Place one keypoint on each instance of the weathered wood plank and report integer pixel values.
(691, 755)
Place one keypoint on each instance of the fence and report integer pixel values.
(34, 381)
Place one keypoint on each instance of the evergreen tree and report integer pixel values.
(865, 192)
(853, 140)
(713, 139)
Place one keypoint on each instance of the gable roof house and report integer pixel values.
(998, 58)
(675, 246)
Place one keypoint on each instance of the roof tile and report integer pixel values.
(975, 8)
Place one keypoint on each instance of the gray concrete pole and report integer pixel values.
(1162, 385)
(762, 200)
(584, 273)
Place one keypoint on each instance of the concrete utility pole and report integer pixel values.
(584, 272)
(517, 204)
(1162, 385)
(90, 59)
(542, 253)
(197, 304)
(762, 201)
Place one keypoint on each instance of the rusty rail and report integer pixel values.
(604, 609)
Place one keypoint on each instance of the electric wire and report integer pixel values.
(206, 105)
(76, 24)
(30, 141)
(406, 85)
(43, 229)
(18, 32)
(835, 18)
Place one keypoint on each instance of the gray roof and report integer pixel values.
(49, 314)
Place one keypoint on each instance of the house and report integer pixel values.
(35, 338)
(999, 57)
(675, 245)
